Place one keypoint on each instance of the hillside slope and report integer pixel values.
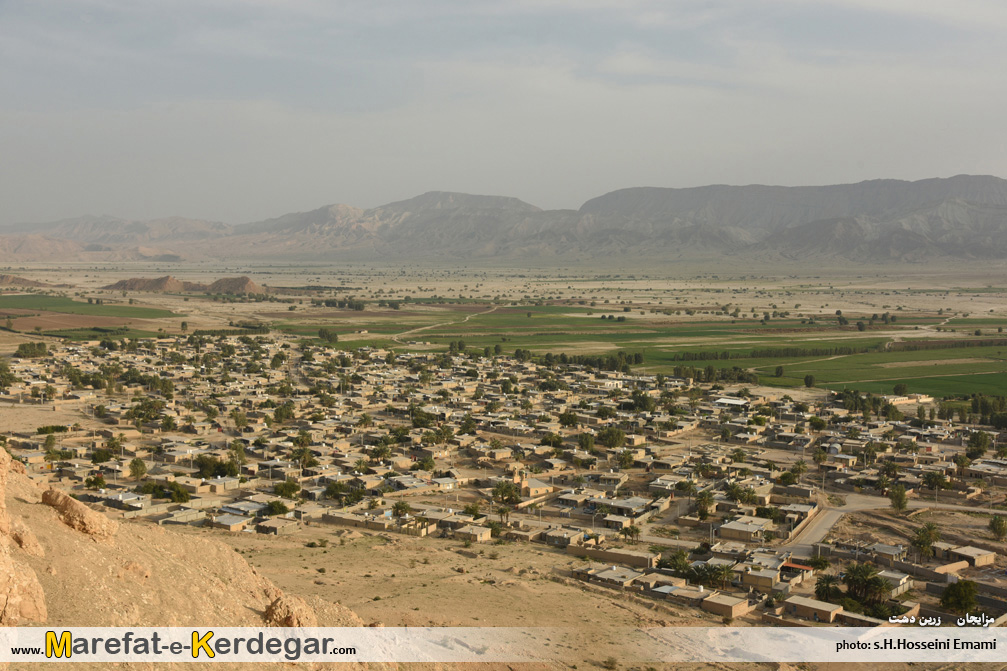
(62, 563)
(169, 284)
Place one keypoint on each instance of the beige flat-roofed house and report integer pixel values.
(763, 580)
(230, 522)
(811, 609)
(974, 556)
(892, 552)
(474, 533)
(745, 528)
(693, 596)
(899, 581)
(277, 526)
(617, 575)
(725, 605)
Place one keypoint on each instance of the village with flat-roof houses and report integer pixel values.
(721, 498)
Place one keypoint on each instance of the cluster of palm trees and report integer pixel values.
(631, 532)
(702, 574)
(863, 584)
(936, 481)
(740, 494)
(506, 491)
(711, 574)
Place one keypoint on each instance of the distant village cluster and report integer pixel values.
(716, 497)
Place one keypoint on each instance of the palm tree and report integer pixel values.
(889, 468)
(827, 587)
(679, 562)
(336, 490)
(401, 508)
(998, 526)
(877, 590)
(869, 454)
(724, 573)
(504, 513)
(857, 577)
(924, 540)
(380, 452)
(304, 457)
(699, 575)
(602, 510)
(961, 463)
(703, 502)
(686, 486)
(934, 480)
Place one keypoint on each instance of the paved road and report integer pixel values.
(822, 524)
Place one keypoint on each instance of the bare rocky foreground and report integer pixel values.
(63, 563)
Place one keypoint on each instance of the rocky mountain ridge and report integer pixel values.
(962, 217)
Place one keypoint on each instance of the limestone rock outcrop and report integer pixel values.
(290, 611)
(25, 539)
(21, 598)
(77, 516)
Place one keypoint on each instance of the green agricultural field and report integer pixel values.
(988, 324)
(940, 372)
(952, 385)
(663, 339)
(69, 306)
(311, 330)
(101, 334)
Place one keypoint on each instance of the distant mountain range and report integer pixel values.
(962, 217)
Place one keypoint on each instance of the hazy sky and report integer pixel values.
(239, 110)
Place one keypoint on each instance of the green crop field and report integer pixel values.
(837, 356)
(69, 306)
(100, 334)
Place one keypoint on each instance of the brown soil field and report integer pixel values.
(28, 417)
(58, 320)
